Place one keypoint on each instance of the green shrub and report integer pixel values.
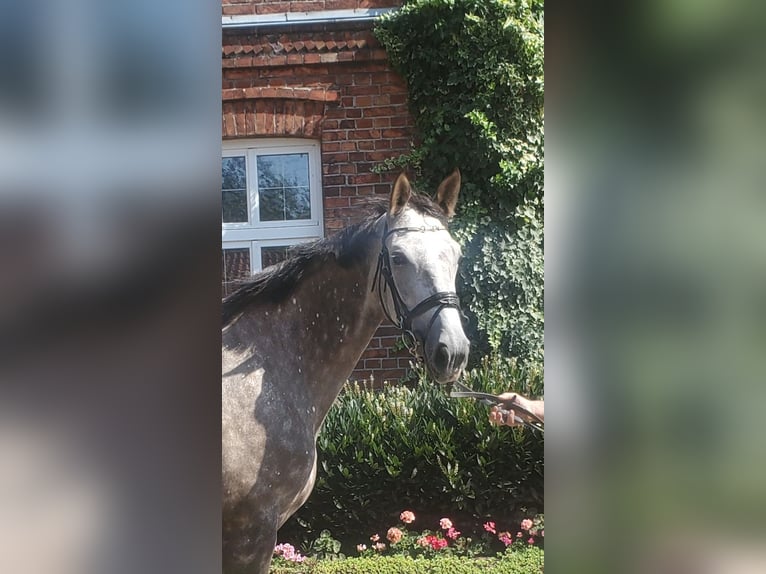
(325, 547)
(381, 452)
(528, 561)
(474, 71)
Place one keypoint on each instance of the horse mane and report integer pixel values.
(348, 247)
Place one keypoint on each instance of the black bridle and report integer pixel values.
(384, 280)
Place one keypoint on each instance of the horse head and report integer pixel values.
(416, 275)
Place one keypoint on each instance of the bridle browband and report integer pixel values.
(384, 279)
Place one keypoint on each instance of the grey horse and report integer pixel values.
(292, 335)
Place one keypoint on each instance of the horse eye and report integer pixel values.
(398, 258)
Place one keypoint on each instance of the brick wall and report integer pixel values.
(238, 7)
(333, 85)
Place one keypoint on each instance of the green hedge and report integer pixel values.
(528, 561)
(382, 452)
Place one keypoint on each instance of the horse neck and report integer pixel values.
(333, 315)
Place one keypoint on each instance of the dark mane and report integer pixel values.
(348, 247)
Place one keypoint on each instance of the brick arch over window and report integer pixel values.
(275, 112)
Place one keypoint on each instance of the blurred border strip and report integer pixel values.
(655, 275)
(110, 139)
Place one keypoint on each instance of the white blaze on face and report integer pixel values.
(432, 256)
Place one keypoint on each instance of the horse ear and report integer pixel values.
(446, 195)
(400, 195)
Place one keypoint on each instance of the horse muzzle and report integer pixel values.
(446, 352)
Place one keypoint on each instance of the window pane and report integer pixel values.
(273, 255)
(236, 267)
(234, 206)
(283, 186)
(234, 190)
(233, 173)
(285, 170)
(297, 203)
(272, 204)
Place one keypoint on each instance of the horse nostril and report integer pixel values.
(461, 358)
(441, 357)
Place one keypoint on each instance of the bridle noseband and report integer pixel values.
(384, 279)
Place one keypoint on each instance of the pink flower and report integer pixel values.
(361, 547)
(490, 527)
(379, 546)
(423, 541)
(531, 540)
(519, 534)
(452, 534)
(505, 538)
(445, 523)
(394, 535)
(287, 551)
(374, 537)
(408, 517)
(284, 550)
(526, 524)
(542, 533)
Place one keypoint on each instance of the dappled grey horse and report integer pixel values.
(293, 334)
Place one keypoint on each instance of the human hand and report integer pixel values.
(504, 414)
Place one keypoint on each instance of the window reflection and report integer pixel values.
(283, 187)
(236, 266)
(273, 255)
(234, 190)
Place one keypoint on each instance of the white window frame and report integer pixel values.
(256, 234)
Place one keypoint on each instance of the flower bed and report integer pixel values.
(404, 549)
(402, 539)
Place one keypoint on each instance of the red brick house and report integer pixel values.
(310, 105)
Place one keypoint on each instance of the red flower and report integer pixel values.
(435, 542)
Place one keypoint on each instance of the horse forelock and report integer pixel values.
(347, 248)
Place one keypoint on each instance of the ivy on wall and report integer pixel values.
(474, 70)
